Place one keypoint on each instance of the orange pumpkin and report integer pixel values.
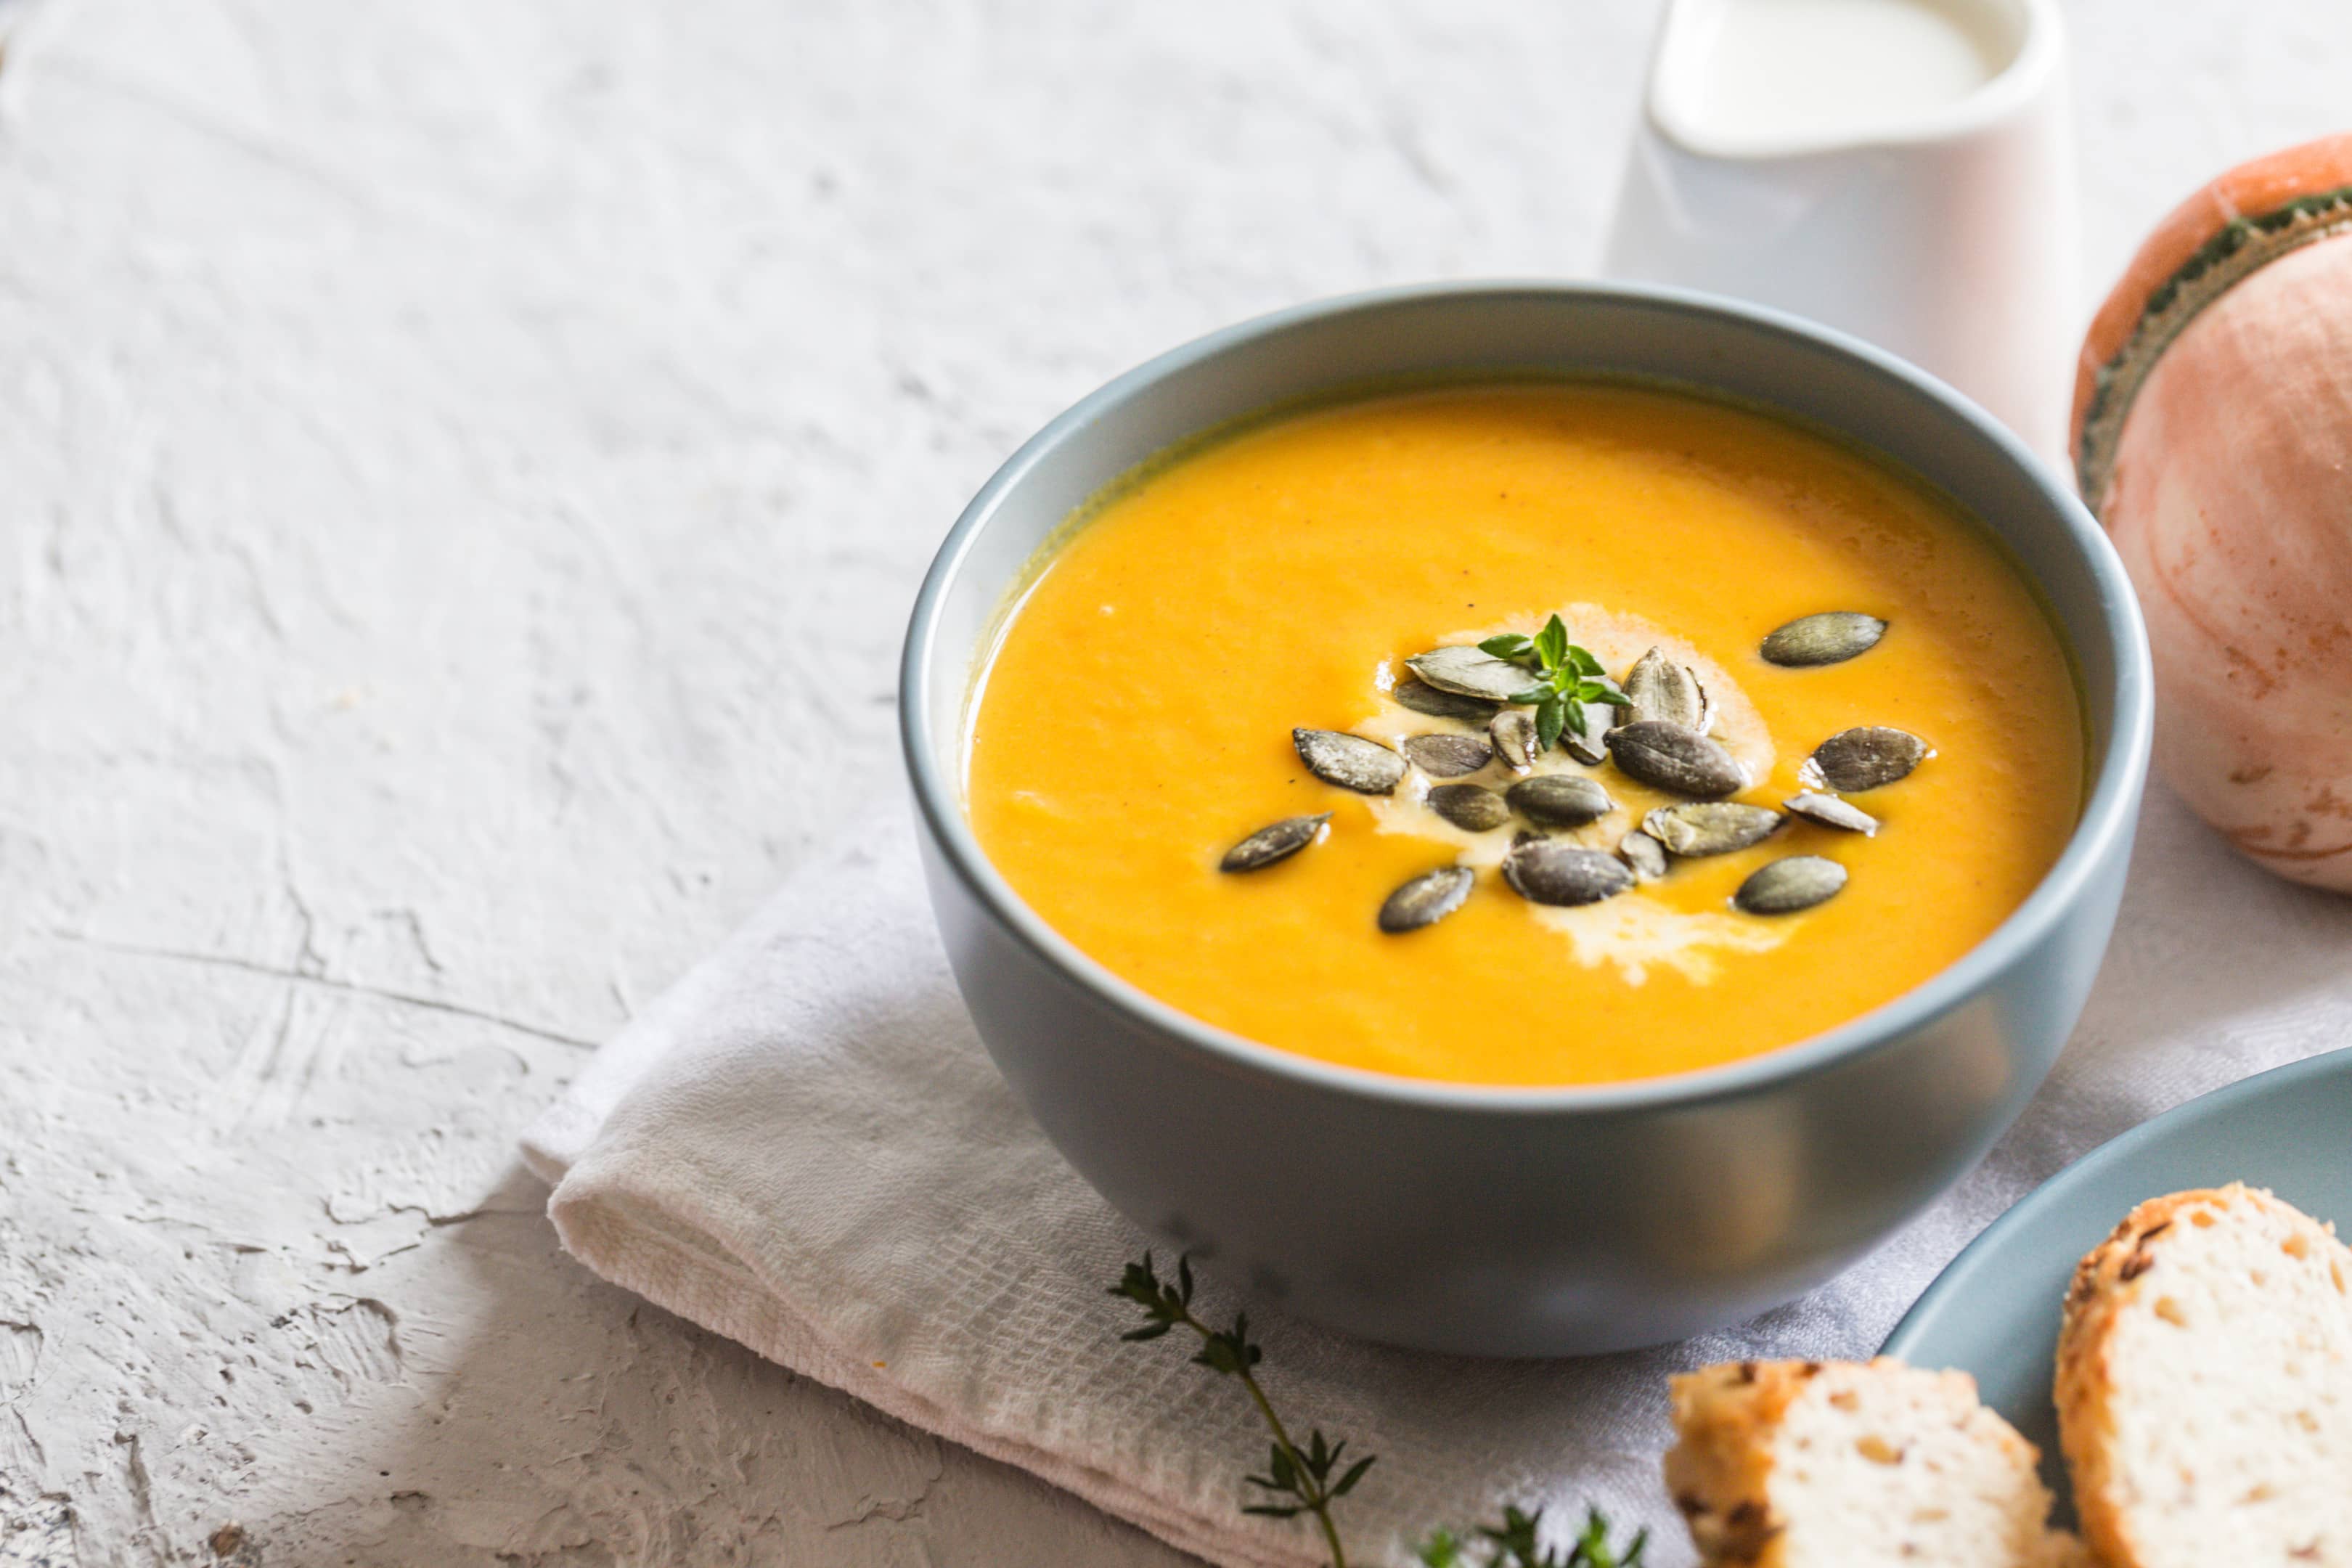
(2212, 434)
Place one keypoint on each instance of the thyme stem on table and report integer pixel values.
(1515, 1545)
(1302, 1475)
(1301, 1480)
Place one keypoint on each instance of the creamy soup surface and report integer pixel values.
(1135, 720)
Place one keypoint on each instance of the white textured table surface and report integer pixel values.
(463, 466)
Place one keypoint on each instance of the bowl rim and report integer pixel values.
(2109, 815)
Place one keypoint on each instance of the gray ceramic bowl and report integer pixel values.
(1518, 1221)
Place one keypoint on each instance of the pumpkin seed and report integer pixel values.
(1423, 697)
(1473, 808)
(1590, 748)
(1868, 758)
(1666, 691)
(1446, 757)
(1830, 637)
(1644, 854)
(1672, 757)
(1831, 812)
(1784, 887)
(1513, 736)
(1550, 871)
(1698, 828)
(1467, 671)
(1348, 761)
(1560, 800)
(1426, 899)
(1277, 841)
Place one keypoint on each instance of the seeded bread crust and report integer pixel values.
(1720, 1468)
(2258, 1464)
(1789, 1463)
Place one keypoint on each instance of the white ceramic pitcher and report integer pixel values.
(1943, 228)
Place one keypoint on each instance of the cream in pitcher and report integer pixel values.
(1773, 69)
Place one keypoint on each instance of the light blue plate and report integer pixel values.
(1994, 1312)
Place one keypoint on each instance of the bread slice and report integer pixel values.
(1844, 1464)
(2205, 1386)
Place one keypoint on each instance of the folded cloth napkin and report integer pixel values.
(804, 1146)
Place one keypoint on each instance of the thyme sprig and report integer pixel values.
(1568, 677)
(1514, 1545)
(1300, 1481)
(1302, 1476)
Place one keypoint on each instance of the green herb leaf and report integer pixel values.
(1515, 1545)
(1517, 1539)
(1584, 663)
(1593, 1550)
(1284, 1468)
(1442, 1551)
(1506, 644)
(1551, 644)
(1548, 719)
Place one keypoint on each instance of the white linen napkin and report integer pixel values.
(804, 1146)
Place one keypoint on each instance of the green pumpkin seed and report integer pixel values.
(1473, 808)
(1870, 757)
(1829, 811)
(1423, 697)
(1277, 841)
(1666, 691)
(1590, 748)
(1674, 758)
(1513, 736)
(1784, 887)
(1467, 671)
(1551, 871)
(1348, 761)
(1560, 800)
(1700, 828)
(1832, 637)
(1446, 757)
(1426, 899)
(1644, 854)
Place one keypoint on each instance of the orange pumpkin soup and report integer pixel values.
(1136, 720)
